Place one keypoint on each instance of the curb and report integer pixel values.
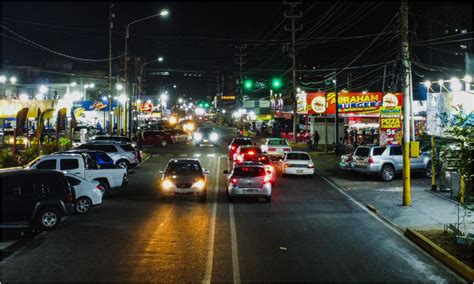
(440, 254)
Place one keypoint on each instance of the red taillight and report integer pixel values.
(286, 149)
(251, 153)
(267, 178)
(100, 187)
(272, 149)
(269, 168)
(349, 158)
(371, 161)
(233, 147)
(234, 181)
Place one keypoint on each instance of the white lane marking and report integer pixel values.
(210, 251)
(235, 251)
(197, 155)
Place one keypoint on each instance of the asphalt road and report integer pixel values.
(310, 232)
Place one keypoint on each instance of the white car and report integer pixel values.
(88, 193)
(297, 163)
(275, 147)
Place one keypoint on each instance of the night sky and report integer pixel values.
(202, 36)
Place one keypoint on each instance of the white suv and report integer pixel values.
(123, 155)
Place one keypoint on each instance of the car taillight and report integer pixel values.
(286, 149)
(310, 166)
(234, 181)
(272, 149)
(233, 147)
(371, 161)
(349, 159)
(267, 178)
(251, 153)
(269, 168)
(100, 188)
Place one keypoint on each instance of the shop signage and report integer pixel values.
(227, 97)
(316, 103)
(390, 120)
(146, 107)
(264, 117)
(9, 108)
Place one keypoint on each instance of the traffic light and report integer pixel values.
(248, 84)
(276, 83)
(206, 105)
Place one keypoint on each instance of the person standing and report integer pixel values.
(316, 140)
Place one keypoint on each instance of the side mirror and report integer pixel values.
(226, 172)
(206, 172)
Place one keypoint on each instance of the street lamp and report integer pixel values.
(119, 87)
(73, 84)
(24, 97)
(43, 89)
(13, 80)
(160, 59)
(164, 97)
(162, 13)
(3, 79)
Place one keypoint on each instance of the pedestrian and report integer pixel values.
(346, 136)
(316, 140)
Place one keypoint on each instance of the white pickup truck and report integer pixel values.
(275, 147)
(83, 166)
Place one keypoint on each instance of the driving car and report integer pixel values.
(88, 193)
(236, 142)
(184, 176)
(275, 147)
(267, 163)
(244, 151)
(155, 138)
(249, 179)
(179, 135)
(206, 136)
(296, 163)
(386, 161)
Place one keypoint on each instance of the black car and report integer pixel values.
(35, 198)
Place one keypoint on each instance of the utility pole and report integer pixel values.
(337, 108)
(111, 25)
(406, 103)
(293, 31)
(241, 53)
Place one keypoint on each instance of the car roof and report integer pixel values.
(20, 171)
(62, 154)
(183, 160)
(248, 164)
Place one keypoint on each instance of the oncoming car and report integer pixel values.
(184, 177)
(206, 136)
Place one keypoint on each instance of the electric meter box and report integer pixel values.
(414, 149)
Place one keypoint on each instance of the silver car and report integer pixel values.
(249, 179)
(387, 161)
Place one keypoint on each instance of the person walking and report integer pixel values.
(316, 140)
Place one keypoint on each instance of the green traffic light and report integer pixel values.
(276, 83)
(248, 84)
(206, 105)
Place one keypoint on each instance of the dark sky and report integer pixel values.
(202, 36)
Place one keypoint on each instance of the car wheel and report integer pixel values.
(83, 205)
(387, 173)
(428, 172)
(123, 164)
(48, 219)
(163, 143)
(268, 199)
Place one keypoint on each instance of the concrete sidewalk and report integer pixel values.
(428, 210)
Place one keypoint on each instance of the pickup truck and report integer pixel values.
(84, 166)
(275, 147)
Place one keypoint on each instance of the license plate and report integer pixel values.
(251, 190)
(299, 171)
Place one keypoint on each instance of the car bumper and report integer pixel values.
(298, 171)
(371, 169)
(183, 191)
(345, 166)
(266, 190)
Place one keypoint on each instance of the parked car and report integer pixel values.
(184, 176)
(83, 166)
(276, 147)
(266, 162)
(124, 155)
(88, 193)
(244, 151)
(346, 161)
(120, 139)
(236, 143)
(155, 138)
(386, 161)
(297, 163)
(249, 179)
(100, 157)
(179, 136)
(205, 136)
(35, 198)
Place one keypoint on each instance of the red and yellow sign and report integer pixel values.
(146, 107)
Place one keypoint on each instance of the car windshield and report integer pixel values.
(362, 152)
(297, 156)
(206, 130)
(249, 172)
(242, 142)
(262, 159)
(278, 142)
(183, 168)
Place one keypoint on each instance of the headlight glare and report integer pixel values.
(214, 136)
(167, 184)
(197, 136)
(199, 184)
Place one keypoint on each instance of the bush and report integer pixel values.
(49, 148)
(7, 160)
(29, 154)
(64, 143)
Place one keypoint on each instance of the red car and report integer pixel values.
(267, 163)
(244, 151)
(155, 138)
(236, 143)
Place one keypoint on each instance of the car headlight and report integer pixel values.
(214, 136)
(199, 184)
(167, 184)
(197, 136)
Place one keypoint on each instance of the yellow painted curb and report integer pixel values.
(440, 254)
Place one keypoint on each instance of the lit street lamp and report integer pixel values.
(13, 80)
(3, 79)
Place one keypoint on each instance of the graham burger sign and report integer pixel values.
(349, 102)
